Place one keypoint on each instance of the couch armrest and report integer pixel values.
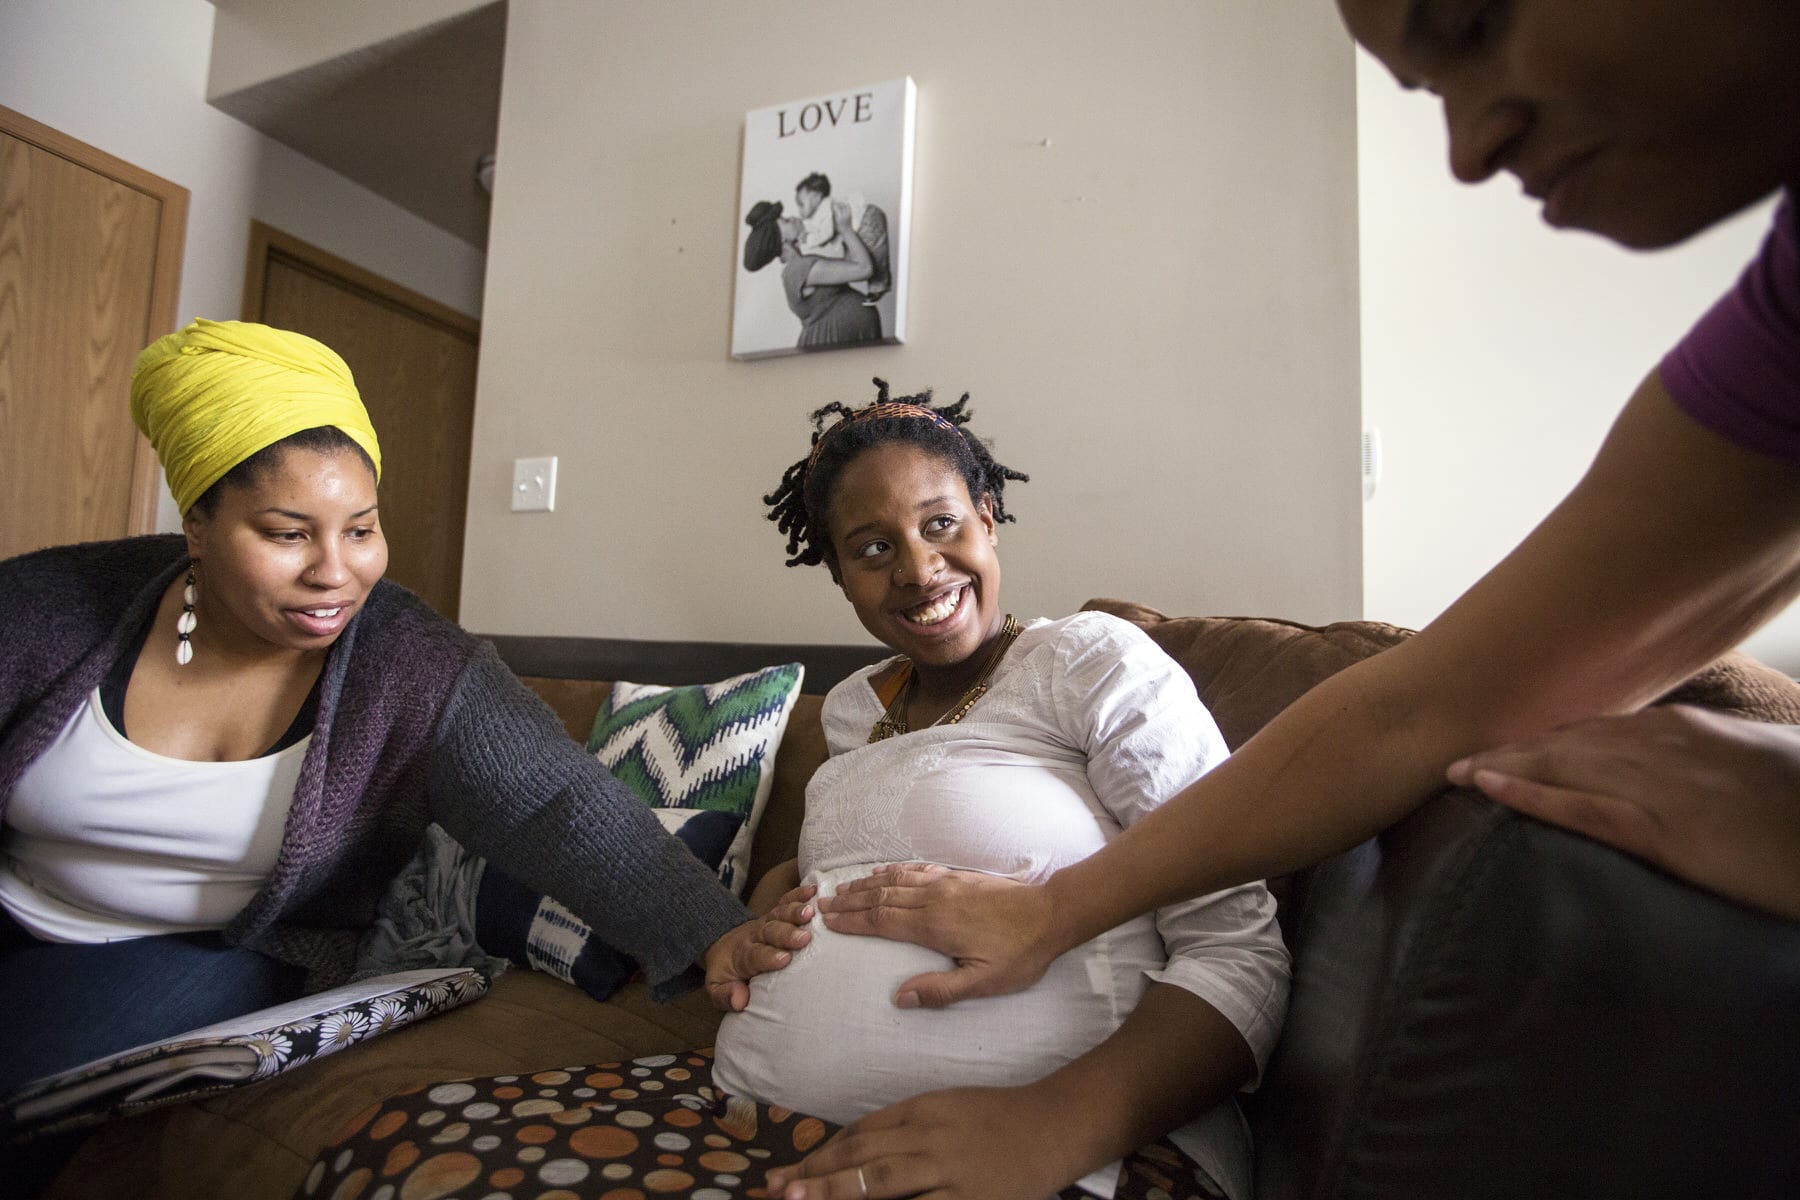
(1484, 1005)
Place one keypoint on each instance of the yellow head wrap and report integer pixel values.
(211, 395)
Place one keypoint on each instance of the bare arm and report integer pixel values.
(1675, 545)
(1174, 1056)
(854, 267)
(1673, 548)
(1712, 798)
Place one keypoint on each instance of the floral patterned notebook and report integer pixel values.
(247, 1049)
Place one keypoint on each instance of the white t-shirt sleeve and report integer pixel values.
(1147, 735)
(851, 710)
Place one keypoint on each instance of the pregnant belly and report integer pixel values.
(823, 1035)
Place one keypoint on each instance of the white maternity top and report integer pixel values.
(1087, 727)
(104, 839)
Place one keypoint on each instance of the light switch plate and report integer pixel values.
(534, 485)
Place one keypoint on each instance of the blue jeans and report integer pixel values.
(65, 1004)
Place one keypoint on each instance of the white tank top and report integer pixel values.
(104, 839)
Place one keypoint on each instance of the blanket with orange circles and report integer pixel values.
(651, 1127)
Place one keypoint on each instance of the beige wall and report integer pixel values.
(1155, 311)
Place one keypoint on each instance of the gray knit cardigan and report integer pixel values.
(417, 722)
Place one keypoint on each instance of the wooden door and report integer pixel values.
(90, 266)
(414, 362)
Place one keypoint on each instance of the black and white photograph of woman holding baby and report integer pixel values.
(826, 201)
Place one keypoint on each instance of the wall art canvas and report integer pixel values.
(826, 206)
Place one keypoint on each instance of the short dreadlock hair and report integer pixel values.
(799, 505)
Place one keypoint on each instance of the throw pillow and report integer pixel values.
(704, 752)
(703, 757)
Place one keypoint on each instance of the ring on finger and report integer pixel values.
(862, 1184)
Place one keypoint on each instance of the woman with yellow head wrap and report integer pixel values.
(218, 392)
(222, 403)
(232, 812)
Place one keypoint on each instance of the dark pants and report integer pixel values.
(65, 1004)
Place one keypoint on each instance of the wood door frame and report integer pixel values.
(165, 278)
(266, 240)
(277, 263)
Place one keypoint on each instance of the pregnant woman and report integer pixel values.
(1013, 748)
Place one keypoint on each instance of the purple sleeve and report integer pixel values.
(1738, 370)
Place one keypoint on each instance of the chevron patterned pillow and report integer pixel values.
(703, 757)
(706, 748)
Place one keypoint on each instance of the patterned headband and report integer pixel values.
(878, 411)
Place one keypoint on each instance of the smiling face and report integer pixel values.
(286, 561)
(807, 201)
(916, 558)
(1641, 120)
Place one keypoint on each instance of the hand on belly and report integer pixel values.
(823, 1036)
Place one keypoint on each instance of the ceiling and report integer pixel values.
(407, 118)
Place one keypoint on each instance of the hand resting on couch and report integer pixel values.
(1711, 798)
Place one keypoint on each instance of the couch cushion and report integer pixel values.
(1485, 1005)
(1247, 669)
(802, 751)
(576, 701)
(1740, 686)
(258, 1141)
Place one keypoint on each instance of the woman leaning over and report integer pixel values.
(217, 749)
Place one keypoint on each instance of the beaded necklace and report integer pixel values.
(893, 721)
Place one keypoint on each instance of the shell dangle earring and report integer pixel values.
(184, 625)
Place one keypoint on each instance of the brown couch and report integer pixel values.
(1483, 1006)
